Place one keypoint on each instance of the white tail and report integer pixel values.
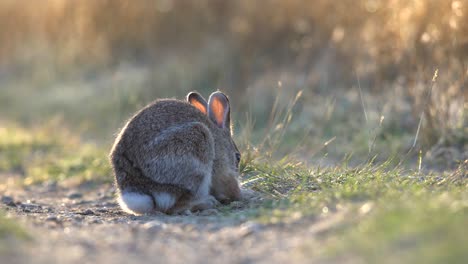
(136, 203)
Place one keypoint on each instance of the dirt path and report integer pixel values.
(85, 225)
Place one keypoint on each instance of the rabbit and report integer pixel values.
(176, 155)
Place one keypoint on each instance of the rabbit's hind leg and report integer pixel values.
(198, 200)
(136, 203)
(203, 200)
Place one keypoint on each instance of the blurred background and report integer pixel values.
(320, 80)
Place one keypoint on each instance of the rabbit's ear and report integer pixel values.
(219, 110)
(198, 101)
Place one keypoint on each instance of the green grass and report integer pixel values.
(8, 228)
(9, 231)
(385, 214)
(427, 228)
(50, 154)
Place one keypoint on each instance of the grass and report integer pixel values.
(9, 231)
(384, 213)
(8, 228)
(50, 154)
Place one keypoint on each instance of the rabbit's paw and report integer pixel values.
(204, 203)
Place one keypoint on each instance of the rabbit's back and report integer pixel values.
(157, 117)
(164, 130)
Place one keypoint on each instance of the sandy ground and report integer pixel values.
(85, 225)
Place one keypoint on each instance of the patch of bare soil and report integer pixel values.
(85, 225)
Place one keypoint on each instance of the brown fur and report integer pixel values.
(175, 147)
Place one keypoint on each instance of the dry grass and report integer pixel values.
(61, 55)
(371, 36)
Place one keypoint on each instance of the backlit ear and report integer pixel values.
(198, 101)
(219, 110)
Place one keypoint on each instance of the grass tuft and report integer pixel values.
(372, 212)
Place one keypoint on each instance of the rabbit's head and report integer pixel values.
(224, 184)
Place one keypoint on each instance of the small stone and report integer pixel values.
(96, 221)
(250, 228)
(78, 219)
(74, 195)
(109, 204)
(208, 212)
(87, 212)
(102, 210)
(30, 206)
(52, 218)
(154, 226)
(8, 200)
